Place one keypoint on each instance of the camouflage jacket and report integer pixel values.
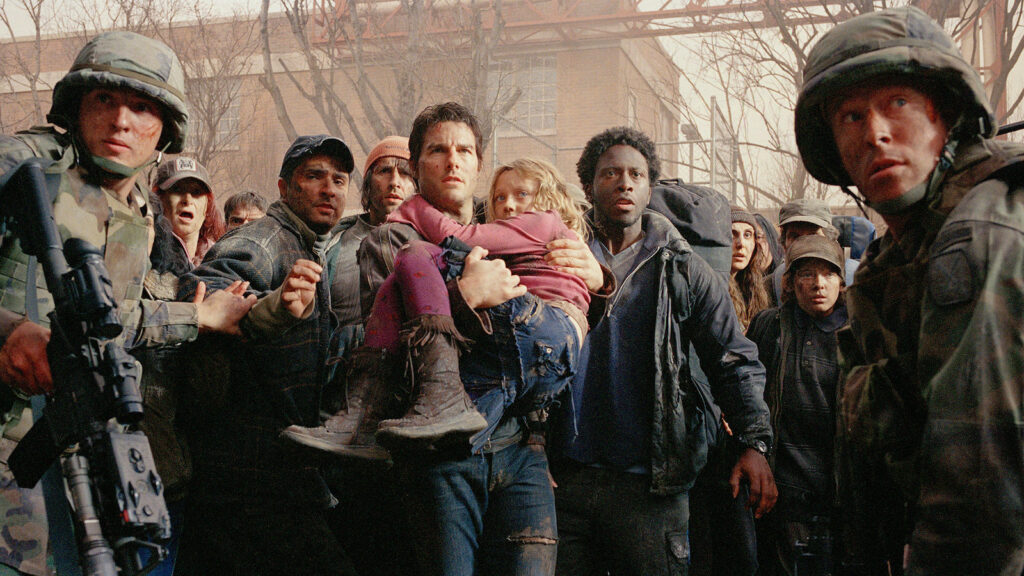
(931, 414)
(96, 215)
(122, 232)
(276, 375)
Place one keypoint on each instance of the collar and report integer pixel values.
(658, 231)
(829, 324)
(308, 236)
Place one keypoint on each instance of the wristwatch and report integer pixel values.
(759, 445)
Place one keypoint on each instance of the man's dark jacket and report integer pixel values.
(276, 374)
(693, 307)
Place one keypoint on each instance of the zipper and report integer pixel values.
(618, 293)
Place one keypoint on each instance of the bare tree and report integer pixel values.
(215, 54)
(21, 61)
(366, 66)
(756, 68)
(1002, 21)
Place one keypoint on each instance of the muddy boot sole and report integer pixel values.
(361, 452)
(462, 426)
(334, 443)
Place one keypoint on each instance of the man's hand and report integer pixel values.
(574, 257)
(755, 469)
(299, 288)
(487, 283)
(222, 311)
(23, 362)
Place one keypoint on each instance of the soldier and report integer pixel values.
(121, 102)
(932, 401)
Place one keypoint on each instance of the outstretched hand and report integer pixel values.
(224, 309)
(299, 288)
(753, 467)
(487, 283)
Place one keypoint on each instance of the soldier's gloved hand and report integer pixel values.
(299, 289)
(487, 283)
(222, 311)
(575, 257)
(23, 362)
(753, 467)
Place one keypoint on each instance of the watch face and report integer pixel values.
(760, 446)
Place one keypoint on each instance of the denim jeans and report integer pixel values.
(610, 523)
(527, 360)
(489, 514)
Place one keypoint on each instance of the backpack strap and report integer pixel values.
(1012, 173)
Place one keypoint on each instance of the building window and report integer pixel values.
(533, 82)
(215, 104)
(227, 128)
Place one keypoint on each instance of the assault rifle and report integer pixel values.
(116, 494)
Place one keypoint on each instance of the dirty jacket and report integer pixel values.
(777, 332)
(693, 308)
(936, 370)
(277, 372)
(120, 231)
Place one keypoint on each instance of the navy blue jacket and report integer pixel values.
(692, 308)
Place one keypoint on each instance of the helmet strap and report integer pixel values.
(926, 189)
(856, 198)
(106, 168)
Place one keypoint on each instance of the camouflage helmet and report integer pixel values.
(899, 42)
(126, 60)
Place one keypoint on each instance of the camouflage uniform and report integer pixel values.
(931, 420)
(84, 210)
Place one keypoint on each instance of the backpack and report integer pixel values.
(855, 233)
(701, 215)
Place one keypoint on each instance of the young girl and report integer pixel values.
(523, 357)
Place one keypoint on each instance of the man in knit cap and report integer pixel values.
(387, 182)
(367, 519)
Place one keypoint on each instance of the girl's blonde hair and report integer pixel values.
(552, 193)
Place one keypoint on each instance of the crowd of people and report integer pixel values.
(550, 380)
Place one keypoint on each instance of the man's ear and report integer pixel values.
(282, 187)
(588, 192)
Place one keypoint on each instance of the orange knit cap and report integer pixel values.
(392, 146)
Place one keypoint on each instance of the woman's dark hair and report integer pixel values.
(771, 238)
(598, 145)
(746, 287)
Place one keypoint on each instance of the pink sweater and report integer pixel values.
(520, 241)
